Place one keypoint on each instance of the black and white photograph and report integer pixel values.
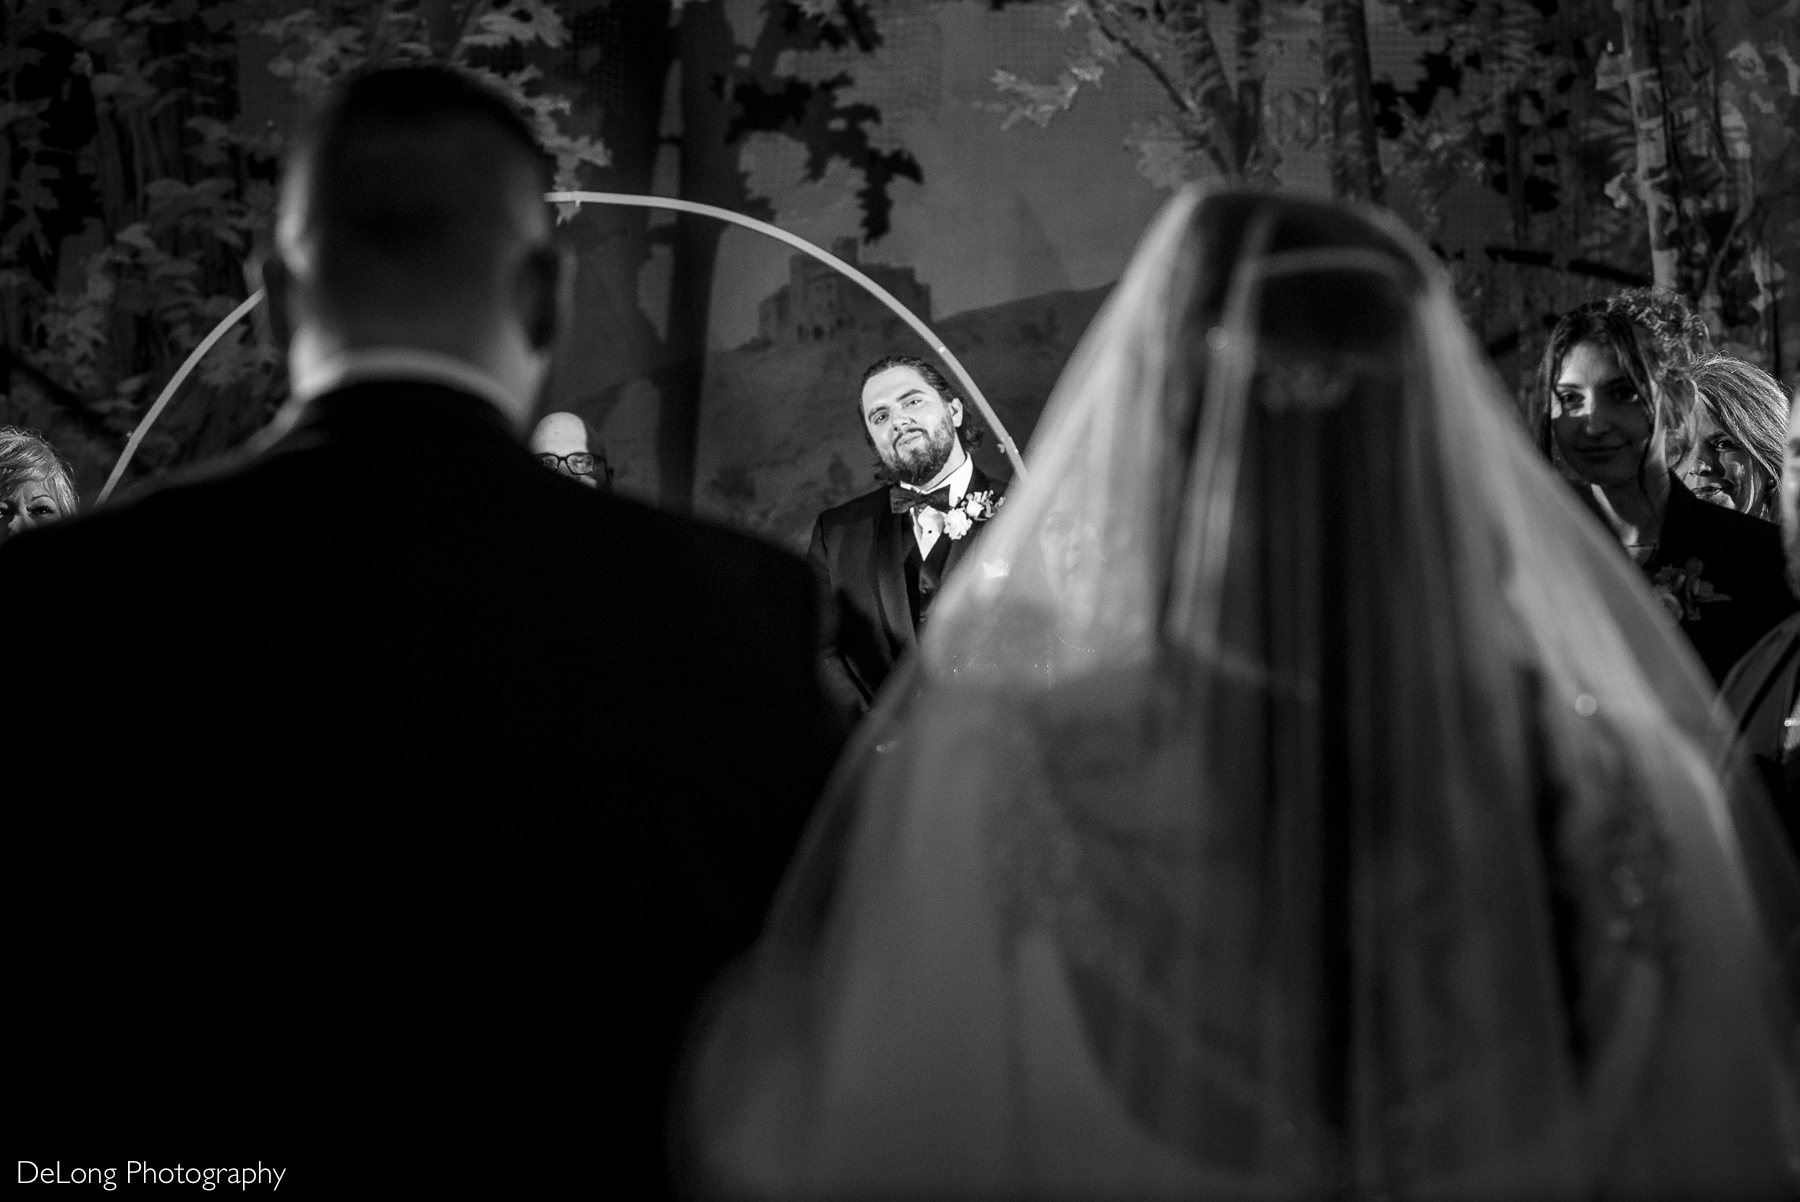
(739, 600)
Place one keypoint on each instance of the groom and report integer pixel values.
(316, 893)
(886, 554)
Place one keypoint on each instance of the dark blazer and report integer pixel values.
(867, 557)
(1762, 692)
(1739, 557)
(321, 866)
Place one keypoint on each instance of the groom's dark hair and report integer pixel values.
(970, 431)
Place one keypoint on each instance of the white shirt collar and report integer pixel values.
(396, 363)
(958, 483)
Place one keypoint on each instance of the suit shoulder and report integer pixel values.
(145, 524)
(613, 511)
(1739, 530)
(716, 550)
(227, 488)
(744, 547)
(868, 506)
(1748, 674)
(982, 482)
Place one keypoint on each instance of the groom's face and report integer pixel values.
(912, 426)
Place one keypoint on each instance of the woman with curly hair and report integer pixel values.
(1612, 409)
(36, 482)
(1740, 424)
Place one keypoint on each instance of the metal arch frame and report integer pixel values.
(881, 294)
(175, 381)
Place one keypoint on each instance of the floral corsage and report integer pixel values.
(1681, 591)
(976, 507)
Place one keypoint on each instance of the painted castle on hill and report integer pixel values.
(819, 302)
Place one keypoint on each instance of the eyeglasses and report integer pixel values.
(580, 463)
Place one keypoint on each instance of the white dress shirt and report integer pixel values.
(928, 523)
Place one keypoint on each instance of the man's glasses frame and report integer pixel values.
(573, 459)
(579, 463)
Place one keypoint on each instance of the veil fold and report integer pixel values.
(1296, 795)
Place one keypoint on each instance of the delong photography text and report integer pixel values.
(140, 1172)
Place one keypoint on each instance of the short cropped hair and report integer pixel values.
(970, 431)
(411, 173)
(28, 455)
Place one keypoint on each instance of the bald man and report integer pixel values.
(301, 886)
(560, 441)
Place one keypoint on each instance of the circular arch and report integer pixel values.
(632, 200)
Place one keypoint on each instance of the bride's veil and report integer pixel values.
(1294, 795)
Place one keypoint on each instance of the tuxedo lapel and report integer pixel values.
(893, 531)
(978, 482)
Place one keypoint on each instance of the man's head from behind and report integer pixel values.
(412, 215)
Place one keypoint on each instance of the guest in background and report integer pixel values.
(1740, 421)
(36, 483)
(560, 441)
(884, 556)
(1614, 389)
(1764, 689)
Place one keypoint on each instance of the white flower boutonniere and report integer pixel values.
(976, 507)
(1682, 592)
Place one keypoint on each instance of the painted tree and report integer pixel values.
(1705, 98)
(728, 93)
(129, 206)
(135, 193)
(1657, 168)
(1214, 125)
(1634, 142)
(1355, 154)
(1627, 141)
(644, 56)
(1758, 114)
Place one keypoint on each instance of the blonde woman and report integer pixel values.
(1740, 424)
(36, 483)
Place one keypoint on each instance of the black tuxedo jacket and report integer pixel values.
(1762, 692)
(1740, 556)
(320, 867)
(869, 560)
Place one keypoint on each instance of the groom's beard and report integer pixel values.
(918, 460)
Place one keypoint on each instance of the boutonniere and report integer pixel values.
(1681, 591)
(975, 507)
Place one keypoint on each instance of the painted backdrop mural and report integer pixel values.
(993, 161)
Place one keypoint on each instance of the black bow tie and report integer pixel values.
(904, 500)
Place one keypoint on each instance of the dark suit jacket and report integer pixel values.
(869, 561)
(1740, 557)
(319, 866)
(1761, 692)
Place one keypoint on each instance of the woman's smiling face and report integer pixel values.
(1721, 469)
(1601, 424)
